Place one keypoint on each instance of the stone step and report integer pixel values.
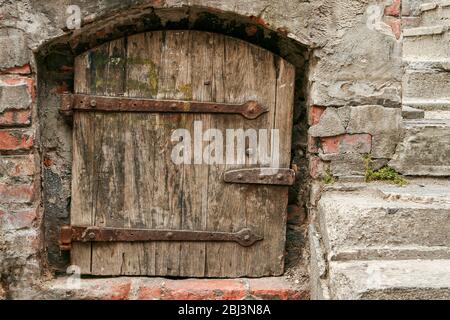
(436, 65)
(424, 148)
(141, 288)
(418, 190)
(428, 104)
(426, 123)
(428, 6)
(382, 241)
(390, 280)
(427, 84)
(426, 47)
(424, 31)
(435, 13)
(437, 115)
(412, 113)
(386, 222)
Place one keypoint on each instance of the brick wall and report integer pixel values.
(20, 214)
(341, 138)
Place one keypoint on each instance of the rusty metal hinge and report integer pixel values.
(81, 102)
(69, 234)
(269, 176)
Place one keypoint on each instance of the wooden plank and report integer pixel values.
(239, 76)
(109, 205)
(82, 170)
(82, 201)
(276, 198)
(175, 75)
(259, 260)
(143, 68)
(195, 183)
(132, 181)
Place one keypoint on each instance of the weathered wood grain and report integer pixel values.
(123, 174)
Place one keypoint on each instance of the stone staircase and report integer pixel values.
(426, 92)
(424, 150)
(382, 242)
(378, 241)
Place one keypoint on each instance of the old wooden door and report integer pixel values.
(123, 174)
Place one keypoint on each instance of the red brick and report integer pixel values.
(356, 143)
(275, 289)
(150, 293)
(22, 70)
(312, 144)
(16, 193)
(17, 166)
(190, 289)
(63, 88)
(394, 9)
(13, 220)
(204, 289)
(315, 112)
(150, 290)
(17, 80)
(12, 118)
(330, 144)
(15, 140)
(118, 291)
(259, 20)
(105, 289)
(396, 26)
(317, 168)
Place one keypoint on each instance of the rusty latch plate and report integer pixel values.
(268, 176)
(81, 102)
(69, 234)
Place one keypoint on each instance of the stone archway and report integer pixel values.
(55, 76)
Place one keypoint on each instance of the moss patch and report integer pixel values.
(386, 173)
(151, 71)
(186, 90)
(329, 179)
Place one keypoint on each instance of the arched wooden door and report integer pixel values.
(124, 177)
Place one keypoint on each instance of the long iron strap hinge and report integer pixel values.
(69, 234)
(82, 102)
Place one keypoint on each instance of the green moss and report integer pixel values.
(153, 78)
(329, 179)
(151, 85)
(384, 174)
(139, 86)
(186, 89)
